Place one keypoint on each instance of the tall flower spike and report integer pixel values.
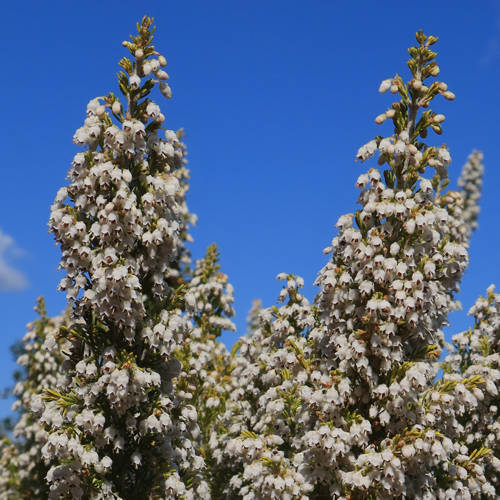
(253, 315)
(206, 363)
(22, 470)
(384, 298)
(471, 183)
(119, 224)
(399, 266)
(256, 445)
(477, 354)
(339, 405)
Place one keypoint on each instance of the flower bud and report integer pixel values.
(380, 119)
(116, 107)
(385, 86)
(438, 118)
(394, 89)
(162, 61)
(165, 90)
(139, 54)
(100, 110)
(434, 70)
(390, 113)
(412, 149)
(417, 84)
(162, 75)
(449, 95)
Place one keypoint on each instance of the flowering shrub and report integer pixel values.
(23, 470)
(119, 428)
(130, 394)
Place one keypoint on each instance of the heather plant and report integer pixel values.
(131, 394)
(346, 404)
(22, 471)
(119, 429)
(476, 353)
(205, 360)
(259, 429)
(471, 183)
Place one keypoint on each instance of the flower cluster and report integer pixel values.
(477, 354)
(345, 403)
(22, 471)
(471, 183)
(132, 395)
(206, 363)
(120, 424)
(261, 421)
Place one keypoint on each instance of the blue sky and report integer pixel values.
(275, 97)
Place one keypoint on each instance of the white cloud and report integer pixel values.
(492, 50)
(11, 280)
(491, 53)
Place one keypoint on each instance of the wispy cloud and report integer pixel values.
(492, 50)
(491, 53)
(11, 280)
